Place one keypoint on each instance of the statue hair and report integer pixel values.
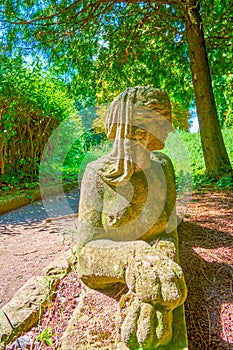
(119, 121)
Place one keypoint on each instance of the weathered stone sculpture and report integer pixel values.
(127, 223)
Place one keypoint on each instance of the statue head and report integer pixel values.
(138, 110)
(140, 115)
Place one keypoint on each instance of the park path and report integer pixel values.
(33, 236)
(53, 206)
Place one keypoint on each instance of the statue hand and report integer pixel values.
(141, 324)
(155, 278)
(156, 287)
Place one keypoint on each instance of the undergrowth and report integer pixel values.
(200, 178)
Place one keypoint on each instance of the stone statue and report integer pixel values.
(127, 222)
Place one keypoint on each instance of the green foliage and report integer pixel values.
(46, 336)
(104, 53)
(217, 19)
(32, 103)
(225, 181)
(77, 159)
(186, 153)
(184, 149)
(223, 87)
(180, 117)
(105, 56)
(98, 49)
(193, 144)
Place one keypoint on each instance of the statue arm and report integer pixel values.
(90, 206)
(167, 242)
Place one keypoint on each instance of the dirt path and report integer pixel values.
(206, 254)
(25, 249)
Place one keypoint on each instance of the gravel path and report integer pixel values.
(32, 237)
(53, 206)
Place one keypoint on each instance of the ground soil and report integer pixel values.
(26, 248)
(206, 254)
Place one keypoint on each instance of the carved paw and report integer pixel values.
(141, 325)
(156, 287)
(155, 278)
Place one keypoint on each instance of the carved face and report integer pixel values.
(150, 128)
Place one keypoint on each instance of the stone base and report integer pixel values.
(179, 339)
(24, 309)
(92, 325)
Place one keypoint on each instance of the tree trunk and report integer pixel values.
(215, 154)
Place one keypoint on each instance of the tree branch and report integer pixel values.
(85, 9)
